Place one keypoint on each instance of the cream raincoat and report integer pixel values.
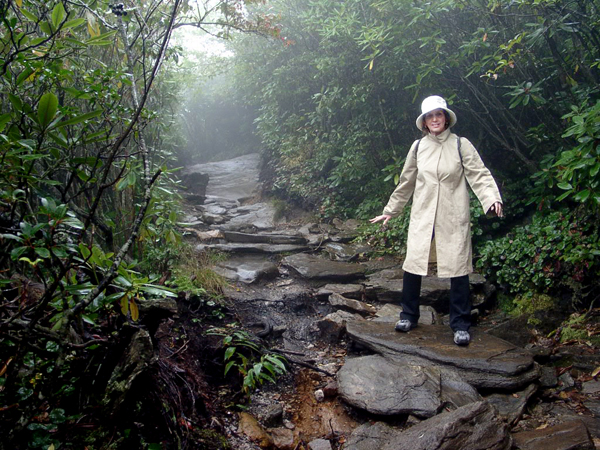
(438, 180)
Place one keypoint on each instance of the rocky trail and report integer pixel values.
(353, 382)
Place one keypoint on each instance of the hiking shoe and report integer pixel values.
(404, 325)
(462, 337)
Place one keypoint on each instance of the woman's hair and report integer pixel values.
(446, 115)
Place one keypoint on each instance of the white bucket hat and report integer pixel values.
(431, 104)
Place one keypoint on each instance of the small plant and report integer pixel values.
(578, 327)
(251, 361)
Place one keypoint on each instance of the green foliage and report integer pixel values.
(553, 252)
(389, 239)
(575, 171)
(249, 359)
(581, 328)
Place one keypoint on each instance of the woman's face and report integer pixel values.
(435, 121)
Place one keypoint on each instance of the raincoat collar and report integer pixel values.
(440, 138)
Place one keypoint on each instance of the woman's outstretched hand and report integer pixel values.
(497, 209)
(384, 217)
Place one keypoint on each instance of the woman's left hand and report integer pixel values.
(497, 209)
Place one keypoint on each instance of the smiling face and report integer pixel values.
(435, 121)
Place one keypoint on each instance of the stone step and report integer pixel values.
(487, 362)
(315, 268)
(253, 248)
(263, 238)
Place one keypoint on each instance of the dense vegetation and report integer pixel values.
(89, 95)
(339, 92)
(90, 131)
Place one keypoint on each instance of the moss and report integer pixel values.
(210, 440)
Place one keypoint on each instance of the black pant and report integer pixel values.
(460, 303)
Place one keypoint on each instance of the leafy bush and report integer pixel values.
(555, 252)
(250, 360)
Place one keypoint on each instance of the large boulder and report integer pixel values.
(488, 362)
(474, 427)
(383, 387)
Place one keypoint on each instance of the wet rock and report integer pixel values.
(247, 269)
(320, 444)
(195, 181)
(345, 252)
(510, 407)
(380, 386)
(580, 357)
(385, 285)
(516, 330)
(315, 268)
(355, 291)
(253, 248)
(351, 304)
(137, 357)
(333, 326)
(591, 387)
(474, 427)
(262, 238)
(548, 378)
(232, 179)
(283, 439)
(331, 389)
(456, 392)
(211, 235)
(213, 219)
(566, 381)
(215, 210)
(572, 435)
(258, 216)
(249, 426)
(272, 415)
(488, 362)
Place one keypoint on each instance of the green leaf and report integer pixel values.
(74, 23)
(227, 367)
(80, 118)
(4, 119)
(43, 252)
(58, 14)
(229, 353)
(155, 290)
(16, 102)
(29, 15)
(564, 186)
(47, 108)
(24, 75)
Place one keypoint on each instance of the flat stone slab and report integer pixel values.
(247, 269)
(351, 304)
(345, 252)
(488, 362)
(263, 238)
(355, 291)
(315, 268)
(471, 427)
(253, 248)
(565, 436)
(510, 407)
(383, 387)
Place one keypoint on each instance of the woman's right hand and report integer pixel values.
(384, 217)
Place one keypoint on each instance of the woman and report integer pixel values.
(436, 172)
